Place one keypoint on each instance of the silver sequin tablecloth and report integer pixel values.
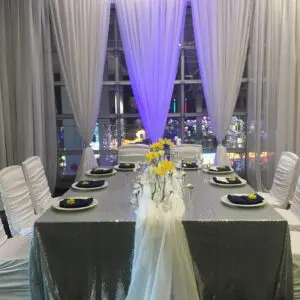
(239, 254)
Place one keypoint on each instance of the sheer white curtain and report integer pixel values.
(221, 34)
(272, 109)
(80, 28)
(27, 106)
(151, 32)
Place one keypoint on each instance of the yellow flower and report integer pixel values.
(159, 171)
(231, 179)
(251, 196)
(167, 165)
(71, 201)
(151, 156)
(157, 146)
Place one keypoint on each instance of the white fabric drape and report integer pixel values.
(81, 28)
(151, 32)
(162, 265)
(221, 33)
(272, 110)
(27, 106)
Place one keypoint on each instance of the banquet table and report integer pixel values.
(237, 253)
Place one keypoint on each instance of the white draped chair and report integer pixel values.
(14, 265)
(38, 184)
(136, 146)
(292, 215)
(16, 201)
(187, 151)
(132, 154)
(295, 243)
(284, 181)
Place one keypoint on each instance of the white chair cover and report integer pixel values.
(138, 146)
(284, 180)
(295, 243)
(295, 206)
(16, 201)
(14, 267)
(37, 183)
(187, 151)
(292, 215)
(162, 265)
(132, 155)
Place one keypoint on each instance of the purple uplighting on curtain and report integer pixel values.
(151, 33)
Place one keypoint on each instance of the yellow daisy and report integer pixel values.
(159, 171)
(167, 165)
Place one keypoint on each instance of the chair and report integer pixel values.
(135, 146)
(38, 184)
(14, 265)
(295, 245)
(132, 154)
(16, 201)
(187, 151)
(292, 215)
(284, 181)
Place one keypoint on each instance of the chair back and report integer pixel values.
(135, 146)
(16, 199)
(186, 151)
(285, 178)
(3, 236)
(295, 206)
(132, 154)
(37, 183)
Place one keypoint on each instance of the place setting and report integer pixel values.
(75, 203)
(223, 181)
(89, 185)
(218, 170)
(250, 200)
(101, 172)
(126, 167)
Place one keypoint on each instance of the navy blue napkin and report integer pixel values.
(221, 169)
(235, 181)
(189, 164)
(126, 166)
(90, 183)
(101, 171)
(245, 200)
(78, 203)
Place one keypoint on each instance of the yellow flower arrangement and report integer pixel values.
(163, 167)
(251, 196)
(71, 201)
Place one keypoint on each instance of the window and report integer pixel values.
(119, 121)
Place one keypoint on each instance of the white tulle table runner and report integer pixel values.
(162, 265)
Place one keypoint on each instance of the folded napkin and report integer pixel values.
(90, 183)
(101, 171)
(75, 202)
(220, 169)
(189, 164)
(246, 199)
(227, 180)
(126, 166)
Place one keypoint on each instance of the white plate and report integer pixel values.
(94, 203)
(219, 172)
(101, 175)
(243, 182)
(225, 200)
(124, 170)
(89, 189)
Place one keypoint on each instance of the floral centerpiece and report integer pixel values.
(160, 171)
